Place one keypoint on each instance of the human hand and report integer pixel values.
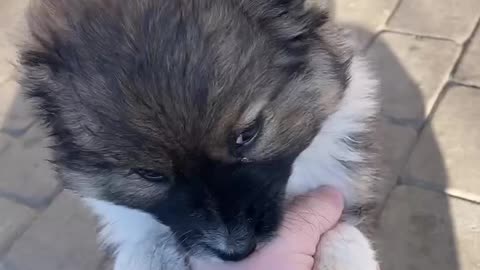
(306, 219)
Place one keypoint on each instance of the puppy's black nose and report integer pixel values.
(235, 252)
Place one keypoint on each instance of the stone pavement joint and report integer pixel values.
(445, 18)
(17, 132)
(455, 193)
(446, 154)
(466, 71)
(412, 73)
(15, 219)
(364, 17)
(35, 203)
(63, 237)
(408, 122)
(420, 36)
(27, 177)
(473, 86)
(417, 231)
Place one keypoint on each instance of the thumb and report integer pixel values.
(308, 217)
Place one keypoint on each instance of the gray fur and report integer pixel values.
(167, 85)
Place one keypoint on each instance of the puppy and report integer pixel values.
(187, 124)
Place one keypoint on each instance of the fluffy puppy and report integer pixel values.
(187, 124)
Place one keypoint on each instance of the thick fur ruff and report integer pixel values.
(186, 125)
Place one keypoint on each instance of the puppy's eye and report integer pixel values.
(247, 135)
(149, 175)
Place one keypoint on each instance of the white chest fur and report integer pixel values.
(319, 164)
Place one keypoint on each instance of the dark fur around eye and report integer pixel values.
(246, 136)
(149, 175)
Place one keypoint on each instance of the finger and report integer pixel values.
(308, 217)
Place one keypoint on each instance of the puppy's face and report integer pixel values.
(191, 111)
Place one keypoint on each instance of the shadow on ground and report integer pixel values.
(415, 229)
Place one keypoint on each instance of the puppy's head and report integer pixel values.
(192, 111)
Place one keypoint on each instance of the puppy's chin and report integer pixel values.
(204, 263)
(204, 259)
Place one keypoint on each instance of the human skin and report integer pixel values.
(295, 248)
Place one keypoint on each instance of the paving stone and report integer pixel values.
(11, 26)
(62, 238)
(5, 142)
(412, 72)
(25, 174)
(398, 141)
(448, 152)
(422, 229)
(451, 19)
(12, 12)
(364, 17)
(15, 112)
(7, 61)
(15, 219)
(469, 69)
(13, 109)
(3, 266)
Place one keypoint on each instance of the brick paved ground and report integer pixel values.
(427, 54)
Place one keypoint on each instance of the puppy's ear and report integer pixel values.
(39, 55)
(46, 22)
(45, 51)
(293, 24)
(312, 13)
(47, 14)
(288, 20)
(51, 25)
